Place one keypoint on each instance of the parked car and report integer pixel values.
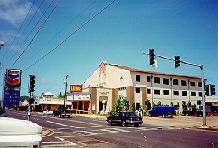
(164, 111)
(61, 113)
(47, 112)
(125, 119)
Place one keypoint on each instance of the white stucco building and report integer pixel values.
(109, 81)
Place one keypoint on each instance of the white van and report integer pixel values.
(19, 133)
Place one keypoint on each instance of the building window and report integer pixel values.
(184, 93)
(199, 84)
(165, 81)
(148, 91)
(137, 78)
(148, 78)
(183, 83)
(200, 94)
(175, 82)
(157, 80)
(165, 92)
(193, 93)
(176, 93)
(137, 89)
(192, 84)
(157, 92)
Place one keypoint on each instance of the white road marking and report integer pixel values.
(109, 131)
(53, 142)
(61, 124)
(49, 121)
(80, 127)
(86, 133)
(119, 129)
(62, 128)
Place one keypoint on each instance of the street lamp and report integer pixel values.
(65, 94)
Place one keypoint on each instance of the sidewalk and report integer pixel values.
(183, 122)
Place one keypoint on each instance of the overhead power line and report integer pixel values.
(33, 37)
(73, 33)
(38, 19)
(19, 29)
(27, 36)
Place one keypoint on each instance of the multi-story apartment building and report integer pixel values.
(109, 82)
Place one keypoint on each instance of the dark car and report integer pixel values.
(61, 113)
(125, 119)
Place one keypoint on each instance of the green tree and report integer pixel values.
(60, 95)
(120, 105)
(159, 103)
(133, 107)
(148, 105)
(171, 104)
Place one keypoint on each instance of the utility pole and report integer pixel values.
(65, 94)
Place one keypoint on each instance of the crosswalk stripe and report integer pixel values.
(119, 129)
(110, 131)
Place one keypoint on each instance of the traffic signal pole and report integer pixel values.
(31, 90)
(177, 58)
(203, 97)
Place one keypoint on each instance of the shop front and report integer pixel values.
(80, 102)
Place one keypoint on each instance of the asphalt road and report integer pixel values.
(79, 131)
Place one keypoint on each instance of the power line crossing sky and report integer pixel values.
(118, 35)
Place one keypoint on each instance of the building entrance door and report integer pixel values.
(103, 103)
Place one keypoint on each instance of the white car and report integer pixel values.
(19, 133)
(47, 112)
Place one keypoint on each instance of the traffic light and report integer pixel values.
(177, 61)
(152, 56)
(32, 83)
(212, 90)
(206, 88)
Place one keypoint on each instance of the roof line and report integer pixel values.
(152, 72)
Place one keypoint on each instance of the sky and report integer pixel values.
(54, 38)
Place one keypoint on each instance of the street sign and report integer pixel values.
(75, 88)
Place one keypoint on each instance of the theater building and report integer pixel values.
(109, 82)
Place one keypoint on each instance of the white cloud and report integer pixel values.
(13, 11)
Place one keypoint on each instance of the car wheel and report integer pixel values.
(53, 115)
(149, 115)
(59, 116)
(109, 122)
(136, 125)
(123, 123)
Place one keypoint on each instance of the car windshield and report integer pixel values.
(130, 114)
